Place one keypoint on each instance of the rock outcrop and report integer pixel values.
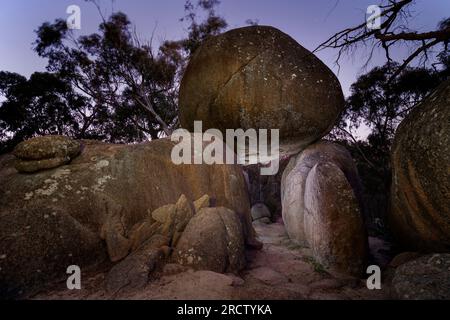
(199, 237)
(294, 180)
(102, 204)
(425, 278)
(420, 192)
(334, 227)
(259, 77)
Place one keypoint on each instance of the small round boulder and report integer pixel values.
(47, 147)
(259, 77)
(46, 152)
(260, 211)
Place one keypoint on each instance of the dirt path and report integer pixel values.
(281, 270)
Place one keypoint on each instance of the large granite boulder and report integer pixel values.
(334, 227)
(213, 240)
(101, 205)
(196, 236)
(420, 192)
(294, 180)
(259, 77)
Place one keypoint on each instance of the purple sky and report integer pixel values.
(309, 22)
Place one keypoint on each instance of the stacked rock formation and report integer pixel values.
(131, 203)
(260, 78)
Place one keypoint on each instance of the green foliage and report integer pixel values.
(381, 104)
(115, 72)
(43, 104)
(318, 267)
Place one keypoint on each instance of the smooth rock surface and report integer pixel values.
(259, 77)
(334, 227)
(294, 179)
(213, 240)
(420, 190)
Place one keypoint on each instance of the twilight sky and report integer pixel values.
(309, 22)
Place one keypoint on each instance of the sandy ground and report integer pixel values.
(281, 270)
